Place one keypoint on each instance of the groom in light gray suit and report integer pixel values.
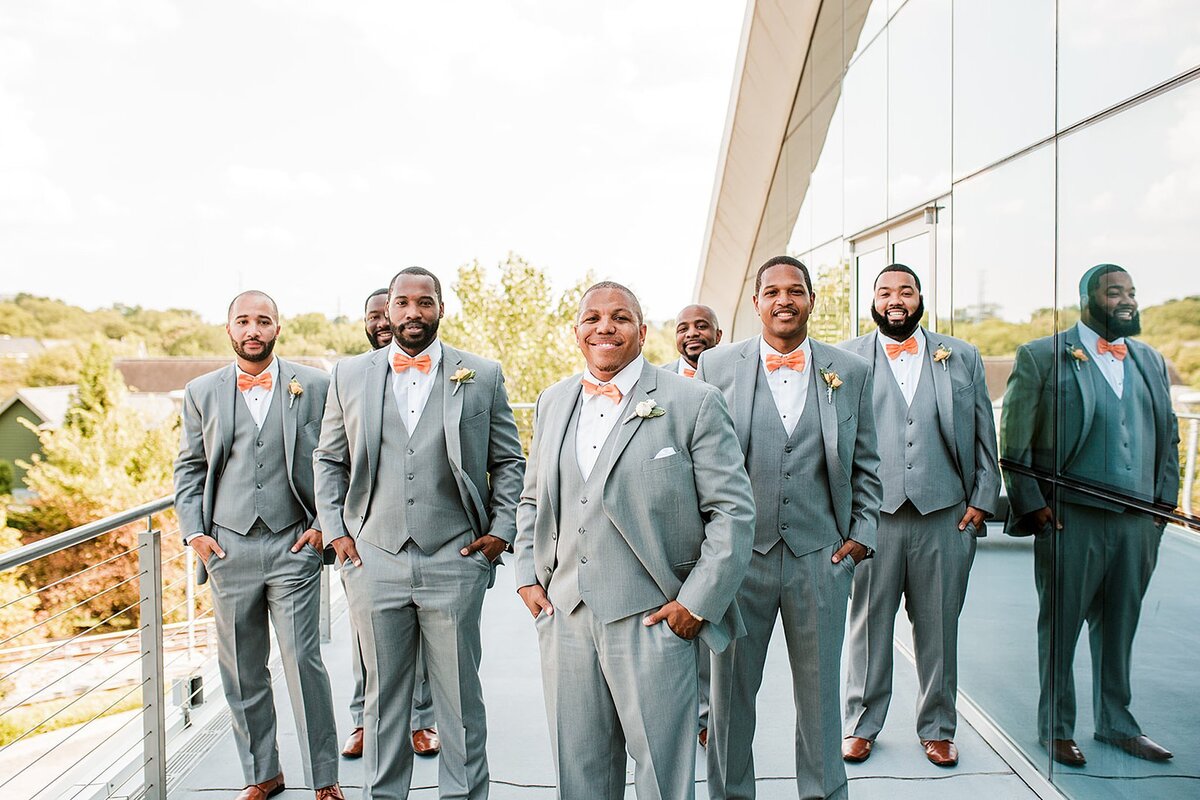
(937, 441)
(803, 415)
(634, 531)
(244, 496)
(418, 473)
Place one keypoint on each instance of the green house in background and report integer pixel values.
(42, 406)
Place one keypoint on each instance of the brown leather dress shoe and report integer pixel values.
(261, 791)
(941, 752)
(704, 737)
(426, 742)
(856, 749)
(1140, 746)
(333, 792)
(1065, 751)
(353, 748)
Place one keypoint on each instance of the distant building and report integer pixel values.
(19, 348)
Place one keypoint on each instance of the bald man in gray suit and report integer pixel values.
(937, 442)
(633, 534)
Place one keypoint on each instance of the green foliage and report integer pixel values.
(660, 342)
(16, 607)
(6, 478)
(829, 321)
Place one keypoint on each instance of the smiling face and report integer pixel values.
(898, 305)
(696, 331)
(414, 312)
(609, 331)
(784, 303)
(253, 326)
(1112, 307)
(375, 322)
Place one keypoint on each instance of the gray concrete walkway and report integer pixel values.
(519, 749)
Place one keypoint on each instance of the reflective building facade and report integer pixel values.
(1001, 150)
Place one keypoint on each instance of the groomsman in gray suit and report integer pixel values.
(634, 531)
(696, 330)
(244, 496)
(937, 444)
(1091, 404)
(424, 733)
(417, 477)
(802, 410)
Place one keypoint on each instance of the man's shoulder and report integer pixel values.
(208, 381)
(724, 354)
(959, 347)
(859, 344)
(676, 385)
(842, 360)
(455, 358)
(1144, 350)
(305, 373)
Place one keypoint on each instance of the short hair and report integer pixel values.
(375, 293)
(708, 310)
(256, 293)
(637, 306)
(1091, 278)
(898, 268)
(437, 285)
(775, 261)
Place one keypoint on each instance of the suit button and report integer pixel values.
(411, 501)
(260, 486)
(910, 422)
(412, 452)
(583, 560)
(786, 500)
(549, 570)
(787, 449)
(583, 501)
(581, 530)
(410, 476)
(787, 476)
(783, 527)
(910, 444)
(554, 536)
(908, 466)
(260, 466)
(259, 444)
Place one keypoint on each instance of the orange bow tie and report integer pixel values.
(688, 372)
(909, 345)
(1118, 350)
(609, 390)
(401, 362)
(793, 361)
(248, 382)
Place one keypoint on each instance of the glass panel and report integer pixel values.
(827, 177)
(918, 104)
(867, 265)
(830, 270)
(1003, 79)
(865, 136)
(864, 19)
(1110, 50)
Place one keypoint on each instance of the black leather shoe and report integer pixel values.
(1065, 751)
(1140, 746)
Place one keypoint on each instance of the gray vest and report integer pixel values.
(254, 484)
(789, 474)
(415, 495)
(594, 563)
(1119, 449)
(916, 463)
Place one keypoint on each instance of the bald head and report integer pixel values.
(634, 305)
(252, 297)
(696, 330)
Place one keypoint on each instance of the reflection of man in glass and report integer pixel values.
(1114, 432)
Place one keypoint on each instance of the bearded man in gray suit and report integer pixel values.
(244, 496)
(1093, 405)
(803, 414)
(634, 531)
(417, 476)
(937, 443)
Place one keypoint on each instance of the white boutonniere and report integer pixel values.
(1077, 354)
(294, 391)
(942, 355)
(463, 375)
(832, 382)
(648, 409)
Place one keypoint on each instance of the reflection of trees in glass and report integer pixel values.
(830, 320)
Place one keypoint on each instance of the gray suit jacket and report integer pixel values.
(847, 426)
(207, 436)
(688, 517)
(1029, 422)
(481, 443)
(964, 410)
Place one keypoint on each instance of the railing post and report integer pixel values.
(154, 713)
(326, 623)
(1189, 475)
(189, 563)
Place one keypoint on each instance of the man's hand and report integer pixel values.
(205, 546)
(973, 517)
(850, 548)
(345, 549)
(490, 546)
(681, 621)
(312, 536)
(1043, 518)
(535, 599)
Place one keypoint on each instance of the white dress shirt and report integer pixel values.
(599, 415)
(258, 399)
(1111, 367)
(411, 387)
(788, 387)
(684, 365)
(906, 367)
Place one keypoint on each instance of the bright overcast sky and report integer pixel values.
(169, 154)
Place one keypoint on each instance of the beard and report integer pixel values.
(903, 329)
(415, 343)
(254, 358)
(1114, 328)
(373, 338)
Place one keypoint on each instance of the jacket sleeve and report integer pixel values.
(986, 493)
(506, 465)
(331, 465)
(865, 486)
(527, 508)
(191, 469)
(1019, 423)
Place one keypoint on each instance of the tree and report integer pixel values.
(830, 320)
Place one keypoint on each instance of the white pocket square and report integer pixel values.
(664, 453)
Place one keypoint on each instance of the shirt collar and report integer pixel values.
(683, 364)
(765, 350)
(434, 351)
(918, 334)
(1090, 339)
(272, 369)
(625, 379)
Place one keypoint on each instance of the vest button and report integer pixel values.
(554, 536)
(787, 449)
(259, 444)
(410, 476)
(549, 570)
(581, 530)
(412, 452)
(583, 501)
(908, 466)
(411, 501)
(786, 501)
(783, 527)
(910, 422)
(787, 476)
(583, 560)
(260, 486)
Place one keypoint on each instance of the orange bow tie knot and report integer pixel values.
(1119, 351)
(248, 382)
(793, 361)
(909, 346)
(608, 390)
(688, 372)
(401, 362)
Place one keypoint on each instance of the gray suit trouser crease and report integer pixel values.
(809, 592)
(422, 707)
(402, 602)
(260, 579)
(926, 560)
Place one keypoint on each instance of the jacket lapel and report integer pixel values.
(943, 391)
(647, 383)
(823, 359)
(558, 412)
(378, 371)
(1084, 382)
(227, 397)
(741, 404)
(452, 405)
(1159, 396)
(287, 374)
